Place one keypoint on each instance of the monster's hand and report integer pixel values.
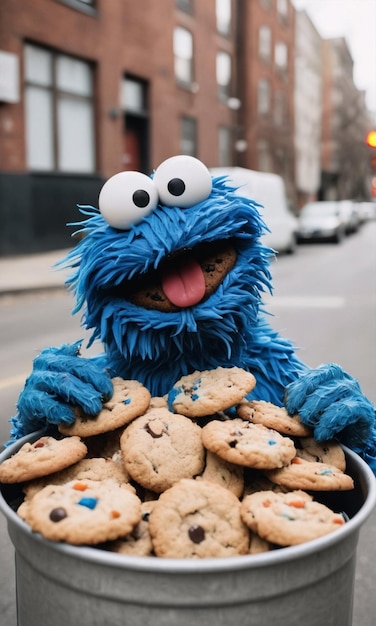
(333, 404)
(61, 380)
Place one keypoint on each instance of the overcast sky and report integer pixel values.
(355, 20)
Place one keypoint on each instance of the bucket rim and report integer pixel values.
(185, 566)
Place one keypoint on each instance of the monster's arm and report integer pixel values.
(326, 398)
(61, 380)
(333, 404)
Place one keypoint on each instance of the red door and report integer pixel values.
(132, 150)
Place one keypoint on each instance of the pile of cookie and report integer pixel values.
(178, 477)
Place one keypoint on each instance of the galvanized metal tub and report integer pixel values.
(310, 584)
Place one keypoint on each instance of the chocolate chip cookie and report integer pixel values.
(45, 456)
(206, 392)
(251, 445)
(198, 519)
(159, 448)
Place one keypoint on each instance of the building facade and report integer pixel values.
(266, 88)
(345, 122)
(96, 87)
(92, 87)
(308, 94)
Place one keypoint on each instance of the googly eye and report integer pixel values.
(126, 198)
(182, 181)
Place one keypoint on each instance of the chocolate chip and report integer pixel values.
(58, 514)
(155, 428)
(155, 296)
(196, 533)
(233, 443)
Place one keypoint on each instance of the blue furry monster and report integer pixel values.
(169, 273)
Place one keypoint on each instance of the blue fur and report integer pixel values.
(171, 396)
(59, 381)
(229, 328)
(332, 403)
(158, 348)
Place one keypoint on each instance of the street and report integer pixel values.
(324, 301)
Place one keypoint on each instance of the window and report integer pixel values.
(263, 96)
(282, 8)
(223, 15)
(183, 53)
(224, 146)
(134, 96)
(265, 41)
(280, 56)
(223, 75)
(263, 156)
(59, 112)
(188, 136)
(85, 6)
(185, 5)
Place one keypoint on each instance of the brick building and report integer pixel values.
(345, 122)
(92, 87)
(308, 98)
(267, 88)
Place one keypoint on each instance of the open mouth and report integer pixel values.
(183, 279)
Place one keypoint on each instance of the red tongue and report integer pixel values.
(184, 284)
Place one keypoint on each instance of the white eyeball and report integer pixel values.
(126, 198)
(182, 181)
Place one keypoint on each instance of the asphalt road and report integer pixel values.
(324, 300)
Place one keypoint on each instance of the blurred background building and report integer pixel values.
(308, 109)
(345, 124)
(92, 87)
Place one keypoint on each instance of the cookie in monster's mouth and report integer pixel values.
(183, 279)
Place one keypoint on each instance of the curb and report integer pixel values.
(19, 291)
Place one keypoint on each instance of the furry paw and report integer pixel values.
(333, 404)
(60, 380)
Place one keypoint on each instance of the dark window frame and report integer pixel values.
(55, 93)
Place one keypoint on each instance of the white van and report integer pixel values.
(269, 190)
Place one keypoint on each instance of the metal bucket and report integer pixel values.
(310, 584)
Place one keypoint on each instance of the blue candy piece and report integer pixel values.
(90, 503)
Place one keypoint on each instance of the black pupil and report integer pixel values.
(141, 198)
(176, 187)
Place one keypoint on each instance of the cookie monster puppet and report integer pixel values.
(170, 273)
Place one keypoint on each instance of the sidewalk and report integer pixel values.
(31, 272)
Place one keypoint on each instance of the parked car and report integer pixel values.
(366, 211)
(268, 190)
(351, 216)
(322, 221)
